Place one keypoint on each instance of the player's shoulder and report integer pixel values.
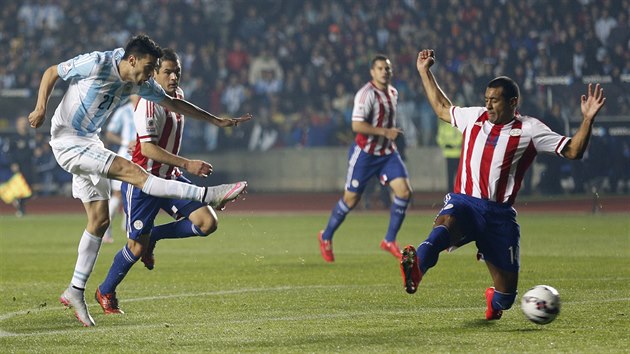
(103, 57)
(529, 120)
(366, 91)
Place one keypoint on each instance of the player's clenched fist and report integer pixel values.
(426, 58)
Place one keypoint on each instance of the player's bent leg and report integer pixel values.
(337, 216)
(502, 295)
(205, 219)
(398, 211)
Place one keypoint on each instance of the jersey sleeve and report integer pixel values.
(152, 91)
(146, 124)
(362, 105)
(546, 140)
(78, 67)
(463, 117)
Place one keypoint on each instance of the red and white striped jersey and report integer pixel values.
(377, 108)
(156, 124)
(494, 157)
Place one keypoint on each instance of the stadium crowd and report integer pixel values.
(295, 65)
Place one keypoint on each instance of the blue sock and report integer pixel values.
(502, 301)
(337, 216)
(428, 252)
(123, 261)
(396, 218)
(177, 229)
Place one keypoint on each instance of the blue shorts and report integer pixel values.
(491, 225)
(141, 209)
(363, 166)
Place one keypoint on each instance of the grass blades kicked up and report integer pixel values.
(259, 285)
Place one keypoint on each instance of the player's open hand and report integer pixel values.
(593, 101)
(426, 58)
(234, 122)
(36, 118)
(392, 133)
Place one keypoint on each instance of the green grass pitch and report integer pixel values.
(259, 285)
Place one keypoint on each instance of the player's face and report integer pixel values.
(168, 76)
(500, 110)
(142, 68)
(381, 73)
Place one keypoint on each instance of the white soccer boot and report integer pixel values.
(218, 196)
(75, 298)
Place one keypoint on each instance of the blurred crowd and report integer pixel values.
(295, 65)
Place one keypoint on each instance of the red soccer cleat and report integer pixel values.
(325, 246)
(491, 314)
(410, 269)
(391, 247)
(108, 302)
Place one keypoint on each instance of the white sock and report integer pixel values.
(163, 188)
(88, 251)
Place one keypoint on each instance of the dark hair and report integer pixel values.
(378, 57)
(510, 88)
(142, 45)
(168, 55)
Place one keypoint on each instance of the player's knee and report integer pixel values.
(100, 224)
(207, 227)
(405, 194)
(505, 300)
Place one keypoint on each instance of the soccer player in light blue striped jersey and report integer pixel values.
(98, 83)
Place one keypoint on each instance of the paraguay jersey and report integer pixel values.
(378, 108)
(95, 91)
(158, 125)
(122, 124)
(494, 157)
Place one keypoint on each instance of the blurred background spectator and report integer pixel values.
(295, 63)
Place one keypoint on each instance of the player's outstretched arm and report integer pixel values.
(37, 117)
(196, 167)
(591, 104)
(188, 109)
(438, 100)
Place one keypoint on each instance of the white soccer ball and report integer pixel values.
(541, 304)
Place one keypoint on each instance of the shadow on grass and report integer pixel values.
(481, 323)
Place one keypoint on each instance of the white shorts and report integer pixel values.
(89, 161)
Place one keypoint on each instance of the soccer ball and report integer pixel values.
(541, 304)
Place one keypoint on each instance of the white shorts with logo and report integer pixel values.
(89, 161)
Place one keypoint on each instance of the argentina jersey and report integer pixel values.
(95, 91)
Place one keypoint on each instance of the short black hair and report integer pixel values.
(168, 55)
(510, 87)
(141, 45)
(378, 57)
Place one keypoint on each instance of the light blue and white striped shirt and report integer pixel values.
(95, 91)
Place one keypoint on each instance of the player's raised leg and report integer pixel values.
(215, 196)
